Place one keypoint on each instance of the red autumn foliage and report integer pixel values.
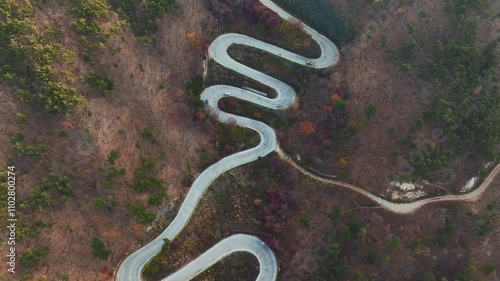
(232, 103)
(258, 12)
(339, 91)
(307, 128)
(324, 135)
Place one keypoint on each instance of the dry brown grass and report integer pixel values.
(136, 102)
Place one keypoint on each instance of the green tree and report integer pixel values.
(394, 242)
(334, 215)
(27, 58)
(102, 83)
(429, 276)
(193, 90)
(489, 269)
(113, 156)
(157, 198)
(341, 105)
(99, 203)
(144, 16)
(144, 179)
(406, 67)
(371, 110)
(147, 134)
(33, 256)
(408, 50)
(60, 184)
(142, 215)
(384, 40)
(372, 257)
(99, 249)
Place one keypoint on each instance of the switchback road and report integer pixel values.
(131, 268)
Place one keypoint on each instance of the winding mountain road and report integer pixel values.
(131, 268)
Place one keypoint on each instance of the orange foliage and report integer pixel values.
(335, 98)
(201, 115)
(353, 124)
(191, 37)
(327, 109)
(356, 125)
(307, 128)
(194, 41)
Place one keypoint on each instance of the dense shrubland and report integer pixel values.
(28, 54)
(467, 101)
(144, 16)
(30, 51)
(51, 188)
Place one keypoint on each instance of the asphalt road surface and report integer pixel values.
(132, 267)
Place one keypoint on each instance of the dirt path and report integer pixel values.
(401, 208)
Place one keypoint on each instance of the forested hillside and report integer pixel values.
(102, 119)
(91, 169)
